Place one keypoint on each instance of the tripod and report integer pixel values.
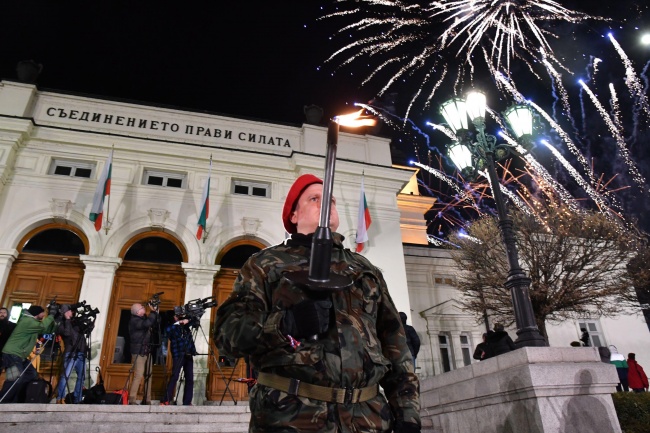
(213, 356)
(77, 336)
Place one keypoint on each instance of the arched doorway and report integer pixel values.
(231, 258)
(47, 267)
(151, 264)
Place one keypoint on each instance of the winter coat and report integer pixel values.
(364, 345)
(412, 340)
(6, 328)
(498, 342)
(636, 377)
(23, 339)
(140, 334)
(480, 352)
(73, 339)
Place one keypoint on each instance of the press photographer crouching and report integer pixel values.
(140, 335)
(74, 353)
(183, 351)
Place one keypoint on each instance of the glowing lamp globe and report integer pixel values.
(461, 156)
(476, 104)
(455, 113)
(520, 119)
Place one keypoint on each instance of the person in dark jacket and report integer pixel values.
(74, 355)
(498, 342)
(6, 328)
(412, 339)
(183, 351)
(140, 335)
(481, 348)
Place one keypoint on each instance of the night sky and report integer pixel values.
(265, 60)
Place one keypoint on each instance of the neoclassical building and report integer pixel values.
(53, 147)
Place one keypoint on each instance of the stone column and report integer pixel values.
(7, 258)
(96, 290)
(198, 285)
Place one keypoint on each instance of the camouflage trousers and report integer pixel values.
(274, 411)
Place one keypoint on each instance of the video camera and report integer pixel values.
(155, 301)
(84, 315)
(194, 309)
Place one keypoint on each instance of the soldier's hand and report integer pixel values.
(307, 318)
(405, 427)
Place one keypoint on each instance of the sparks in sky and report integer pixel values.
(444, 39)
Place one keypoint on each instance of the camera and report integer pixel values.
(195, 308)
(84, 315)
(155, 301)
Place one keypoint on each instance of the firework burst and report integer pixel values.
(401, 41)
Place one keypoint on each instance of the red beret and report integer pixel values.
(292, 197)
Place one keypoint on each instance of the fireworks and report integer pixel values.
(448, 45)
(401, 41)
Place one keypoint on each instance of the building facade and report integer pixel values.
(53, 148)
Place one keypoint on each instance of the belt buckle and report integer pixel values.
(349, 395)
(294, 384)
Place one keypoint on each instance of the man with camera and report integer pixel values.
(140, 336)
(74, 354)
(19, 369)
(321, 355)
(183, 351)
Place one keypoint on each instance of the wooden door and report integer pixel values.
(37, 279)
(220, 373)
(136, 283)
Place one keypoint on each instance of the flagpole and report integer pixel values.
(107, 225)
(205, 232)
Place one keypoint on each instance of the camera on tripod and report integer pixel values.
(195, 308)
(84, 315)
(155, 301)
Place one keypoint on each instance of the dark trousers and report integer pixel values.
(187, 364)
(14, 366)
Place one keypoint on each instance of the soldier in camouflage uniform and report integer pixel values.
(320, 357)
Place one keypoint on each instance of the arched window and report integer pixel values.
(154, 249)
(55, 241)
(237, 256)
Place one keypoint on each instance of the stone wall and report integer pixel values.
(532, 390)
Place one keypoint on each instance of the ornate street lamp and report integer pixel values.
(470, 157)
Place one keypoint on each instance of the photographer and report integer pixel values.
(74, 354)
(140, 335)
(20, 371)
(183, 351)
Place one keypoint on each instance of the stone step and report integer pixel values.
(51, 418)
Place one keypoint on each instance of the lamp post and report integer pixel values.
(472, 156)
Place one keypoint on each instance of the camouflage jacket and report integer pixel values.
(365, 346)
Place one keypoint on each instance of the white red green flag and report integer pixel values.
(102, 194)
(364, 220)
(205, 205)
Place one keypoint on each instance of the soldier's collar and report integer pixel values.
(298, 239)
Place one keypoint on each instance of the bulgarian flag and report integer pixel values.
(364, 220)
(205, 205)
(102, 194)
